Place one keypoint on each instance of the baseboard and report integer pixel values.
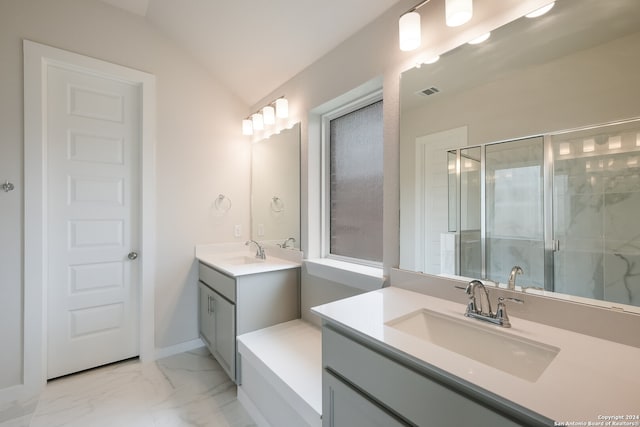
(251, 409)
(161, 353)
(16, 403)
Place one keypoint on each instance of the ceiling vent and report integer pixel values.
(429, 91)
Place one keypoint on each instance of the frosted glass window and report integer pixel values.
(356, 153)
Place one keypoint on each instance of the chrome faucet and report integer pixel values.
(482, 310)
(512, 276)
(485, 304)
(285, 244)
(259, 251)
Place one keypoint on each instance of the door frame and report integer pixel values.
(37, 58)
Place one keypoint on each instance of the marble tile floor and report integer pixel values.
(187, 389)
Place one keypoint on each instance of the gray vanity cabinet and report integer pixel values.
(346, 406)
(364, 385)
(231, 306)
(217, 327)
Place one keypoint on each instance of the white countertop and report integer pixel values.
(224, 258)
(292, 351)
(589, 378)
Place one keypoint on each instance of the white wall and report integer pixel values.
(200, 154)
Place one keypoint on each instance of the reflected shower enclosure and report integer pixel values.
(563, 206)
(499, 211)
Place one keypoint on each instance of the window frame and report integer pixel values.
(325, 166)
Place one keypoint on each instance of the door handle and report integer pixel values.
(132, 255)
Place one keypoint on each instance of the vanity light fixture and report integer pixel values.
(247, 127)
(541, 11)
(457, 12)
(615, 142)
(429, 60)
(258, 121)
(276, 109)
(638, 140)
(480, 39)
(588, 145)
(282, 108)
(410, 32)
(565, 148)
(269, 115)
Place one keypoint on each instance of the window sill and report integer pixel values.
(346, 273)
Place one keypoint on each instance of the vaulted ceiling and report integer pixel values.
(254, 46)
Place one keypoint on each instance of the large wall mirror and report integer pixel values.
(525, 150)
(275, 188)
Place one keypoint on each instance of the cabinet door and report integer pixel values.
(205, 318)
(225, 333)
(344, 406)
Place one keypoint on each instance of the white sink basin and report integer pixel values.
(242, 260)
(483, 343)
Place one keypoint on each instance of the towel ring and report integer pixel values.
(222, 203)
(277, 205)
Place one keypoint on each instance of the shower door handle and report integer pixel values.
(556, 246)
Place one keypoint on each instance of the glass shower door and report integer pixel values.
(596, 206)
(514, 211)
(470, 212)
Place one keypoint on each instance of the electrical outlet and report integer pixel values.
(260, 230)
(237, 230)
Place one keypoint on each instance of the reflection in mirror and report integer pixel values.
(514, 210)
(275, 189)
(491, 178)
(470, 212)
(596, 200)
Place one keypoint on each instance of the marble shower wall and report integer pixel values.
(596, 214)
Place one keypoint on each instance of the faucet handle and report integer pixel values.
(501, 313)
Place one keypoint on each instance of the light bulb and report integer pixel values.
(541, 11)
(458, 12)
(269, 115)
(409, 27)
(258, 122)
(282, 108)
(247, 127)
(615, 142)
(588, 145)
(480, 39)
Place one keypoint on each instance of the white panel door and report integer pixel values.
(93, 132)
